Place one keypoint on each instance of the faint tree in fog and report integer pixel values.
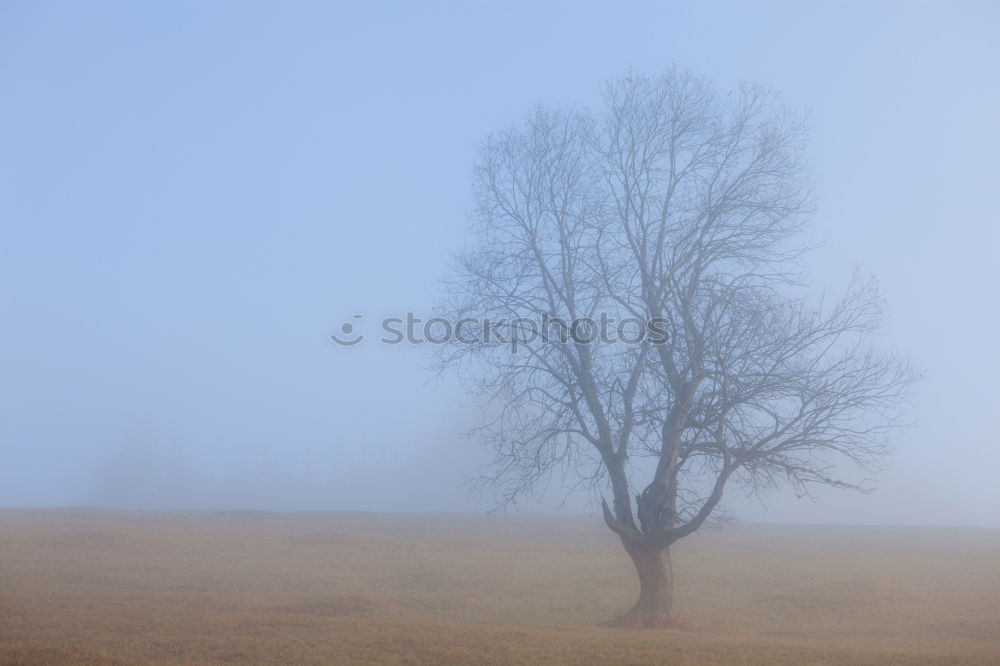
(670, 203)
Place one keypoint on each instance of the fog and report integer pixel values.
(195, 196)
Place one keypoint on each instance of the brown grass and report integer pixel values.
(97, 587)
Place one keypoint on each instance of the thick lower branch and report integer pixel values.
(626, 532)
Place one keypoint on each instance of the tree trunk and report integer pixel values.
(656, 587)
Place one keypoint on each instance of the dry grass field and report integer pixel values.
(102, 587)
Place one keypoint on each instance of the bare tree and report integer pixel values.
(677, 208)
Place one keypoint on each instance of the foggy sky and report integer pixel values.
(194, 195)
